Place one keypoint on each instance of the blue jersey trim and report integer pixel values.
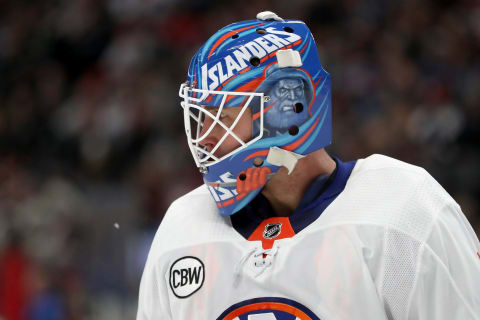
(319, 195)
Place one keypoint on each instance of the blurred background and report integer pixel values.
(92, 147)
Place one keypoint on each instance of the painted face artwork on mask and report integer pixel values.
(290, 107)
(290, 93)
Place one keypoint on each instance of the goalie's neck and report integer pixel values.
(284, 191)
(258, 221)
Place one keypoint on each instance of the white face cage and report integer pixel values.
(195, 111)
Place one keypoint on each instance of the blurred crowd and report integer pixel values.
(92, 147)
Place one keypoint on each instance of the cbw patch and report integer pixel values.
(268, 308)
(187, 275)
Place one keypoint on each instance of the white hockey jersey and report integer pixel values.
(391, 245)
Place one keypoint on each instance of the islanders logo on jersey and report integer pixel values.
(268, 308)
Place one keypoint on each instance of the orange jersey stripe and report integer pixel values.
(268, 305)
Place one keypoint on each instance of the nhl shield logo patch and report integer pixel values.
(272, 230)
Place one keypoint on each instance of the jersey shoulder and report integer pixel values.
(382, 162)
(190, 220)
(389, 193)
(394, 173)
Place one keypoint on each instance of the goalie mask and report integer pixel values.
(256, 95)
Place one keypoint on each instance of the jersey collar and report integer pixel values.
(321, 192)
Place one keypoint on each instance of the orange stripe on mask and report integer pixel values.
(241, 196)
(257, 115)
(247, 87)
(226, 203)
(304, 47)
(297, 143)
(257, 154)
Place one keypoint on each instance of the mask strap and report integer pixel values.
(280, 157)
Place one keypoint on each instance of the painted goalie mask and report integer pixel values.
(255, 95)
